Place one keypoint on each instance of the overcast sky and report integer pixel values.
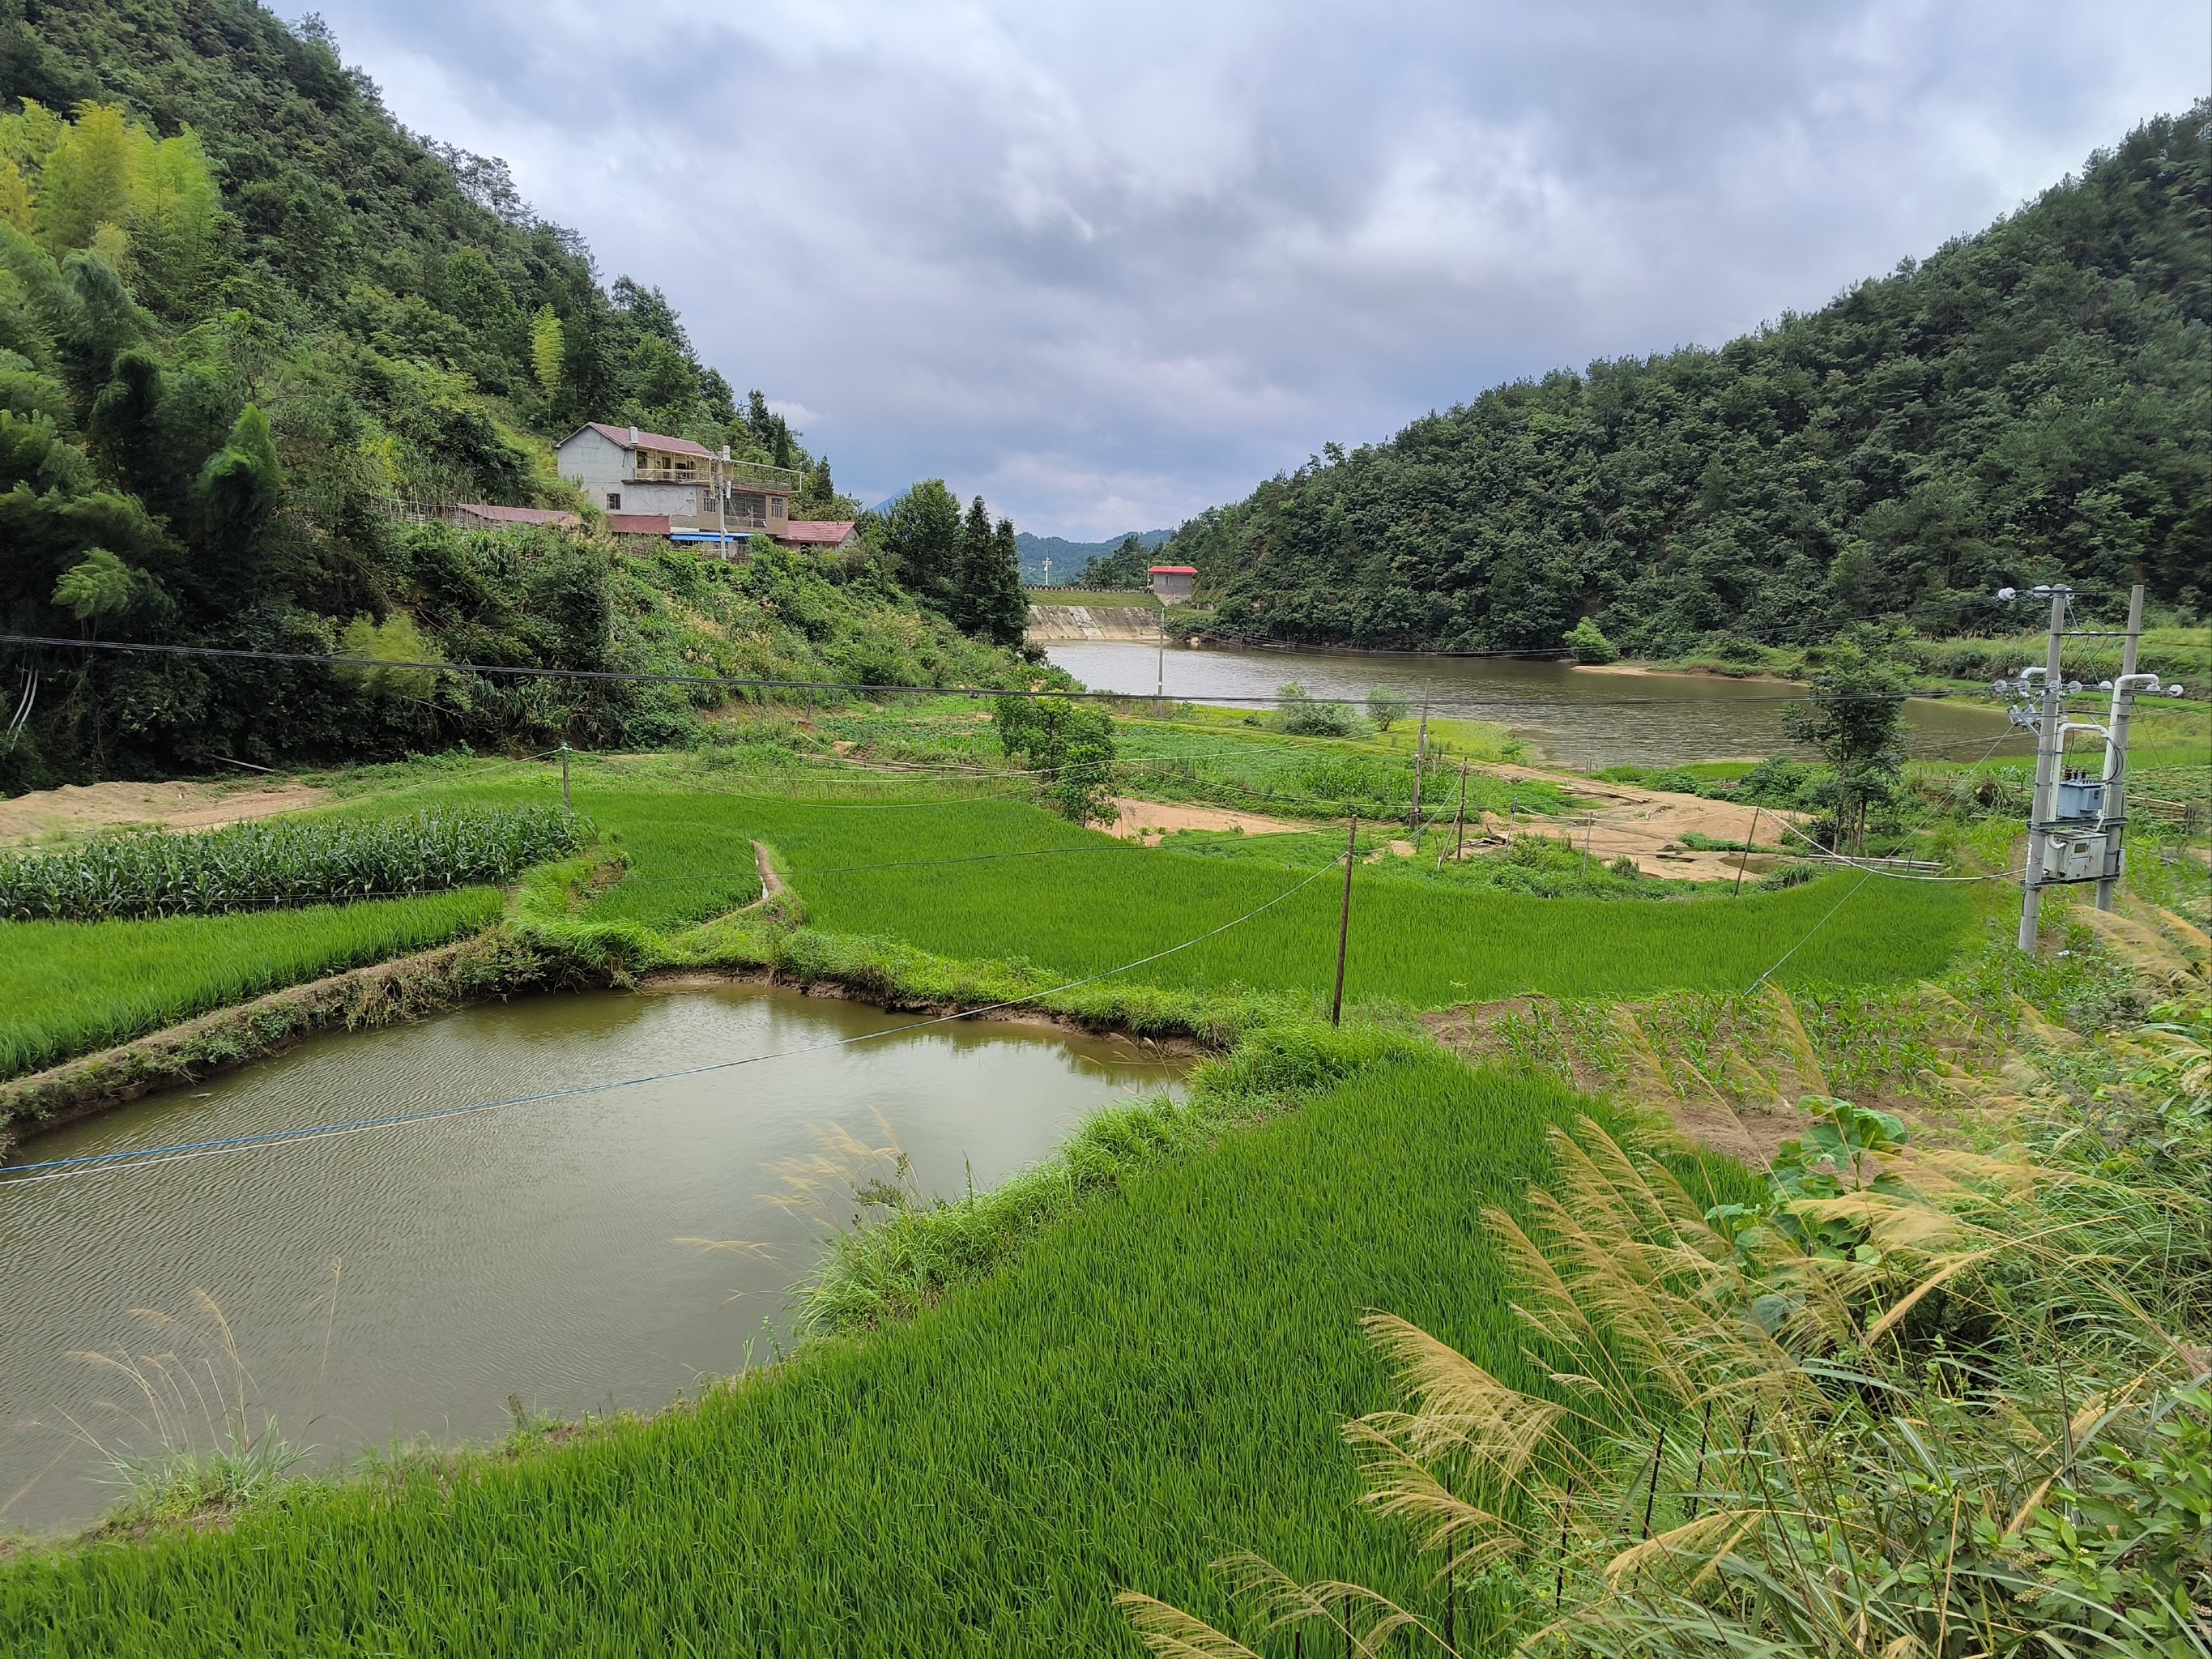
(1107, 264)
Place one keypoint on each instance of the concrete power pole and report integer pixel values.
(2112, 808)
(2049, 739)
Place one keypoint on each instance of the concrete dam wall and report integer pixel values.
(1051, 622)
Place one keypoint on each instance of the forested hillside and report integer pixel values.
(2030, 402)
(249, 327)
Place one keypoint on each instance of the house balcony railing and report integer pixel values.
(741, 474)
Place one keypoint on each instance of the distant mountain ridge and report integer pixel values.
(1069, 557)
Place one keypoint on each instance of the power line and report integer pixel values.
(144, 1157)
(732, 682)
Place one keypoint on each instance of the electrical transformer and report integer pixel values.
(2079, 855)
(2079, 800)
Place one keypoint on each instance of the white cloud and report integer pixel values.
(1108, 264)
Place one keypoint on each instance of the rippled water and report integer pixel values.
(405, 1281)
(1578, 717)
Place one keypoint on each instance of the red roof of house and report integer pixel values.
(638, 524)
(1174, 569)
(491, 514)
(620, 434)
(827, 532)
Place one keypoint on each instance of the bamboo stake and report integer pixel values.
(1746, 858)
(1344, 924)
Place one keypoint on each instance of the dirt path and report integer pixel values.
(772, 886)
(83, 808)
(1647, 825)
(1147, 821)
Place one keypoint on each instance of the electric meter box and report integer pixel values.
(2074, 857)
(2079, 800)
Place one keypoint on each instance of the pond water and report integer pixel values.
(404, 1281)
(1579, 717)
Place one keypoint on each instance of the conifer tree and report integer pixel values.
(1005, 608)
(971, 591)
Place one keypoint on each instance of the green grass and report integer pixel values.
(1153, 1382)
(1114, 597)
(68, 987)
(870, 867)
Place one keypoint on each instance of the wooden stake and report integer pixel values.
(564, 776)
(1344, 924)
(1746, 858)
(1459, 824)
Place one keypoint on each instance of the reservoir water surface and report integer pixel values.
(1577, 717)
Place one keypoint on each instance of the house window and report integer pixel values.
(614, 501)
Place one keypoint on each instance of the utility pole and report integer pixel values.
(1458, 818)
(2050, 740)
(1160, 685)
(721, 513)
(564, 776)
(2113, 808)
(1343, 923)
(1420, 760)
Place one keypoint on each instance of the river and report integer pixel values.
(1581, 717)
(403, 1282)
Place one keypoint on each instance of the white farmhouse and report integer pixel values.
(630, 472)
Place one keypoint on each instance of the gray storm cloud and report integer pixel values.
(1109, 264)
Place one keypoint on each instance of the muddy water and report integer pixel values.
(1579, 718)
(404, 1281)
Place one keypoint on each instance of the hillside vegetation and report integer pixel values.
(2030, 402)
(250, 327)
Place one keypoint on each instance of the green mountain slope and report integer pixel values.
(250, 327)
(2034, 400)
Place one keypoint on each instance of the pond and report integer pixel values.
(1581, 717)
(403, 1282)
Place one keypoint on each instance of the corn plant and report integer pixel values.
(286, 862)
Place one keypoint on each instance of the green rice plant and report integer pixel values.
(991, 1470)
(70, 987)
(255, 865)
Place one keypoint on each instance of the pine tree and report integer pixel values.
(971, 591)
(1005, 607)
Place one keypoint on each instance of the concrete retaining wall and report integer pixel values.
(1050, 622)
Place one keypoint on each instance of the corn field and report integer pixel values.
(249, 866)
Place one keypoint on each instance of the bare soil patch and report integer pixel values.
(77, 809)
(1147, 821)
(1647, 825)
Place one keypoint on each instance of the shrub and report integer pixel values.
(1386, 708)
(1589, 646)
(1302, 716)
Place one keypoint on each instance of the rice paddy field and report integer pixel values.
(986, 879)
(1153, 1383)
(69, 987)
(961, 871)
